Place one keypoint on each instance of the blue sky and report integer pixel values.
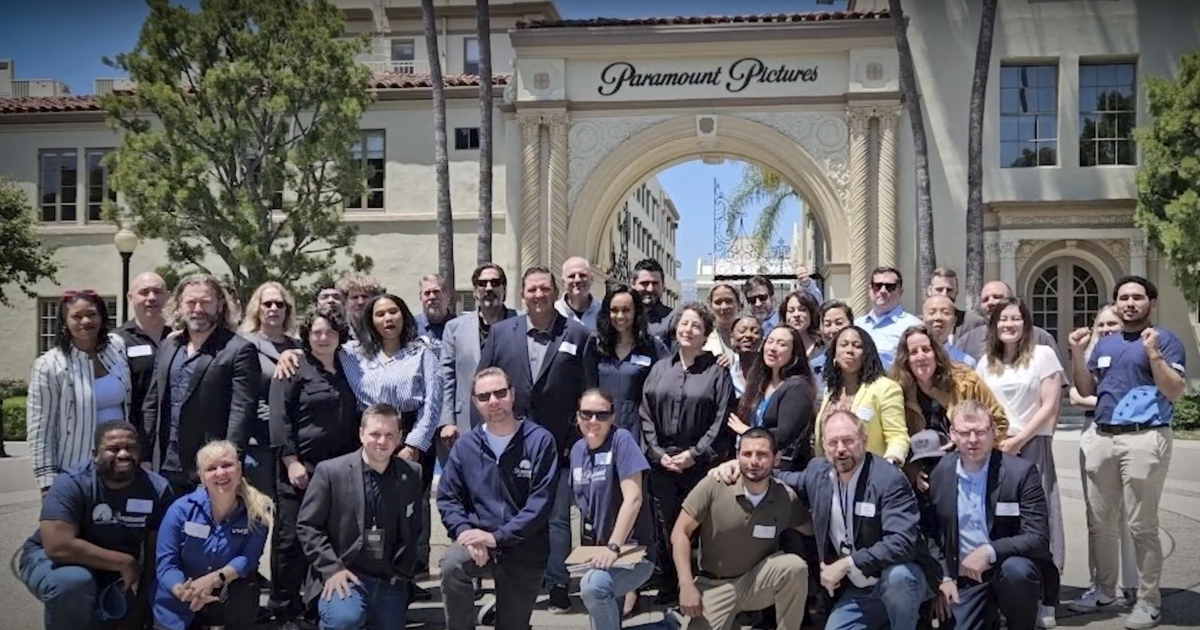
(66, 39)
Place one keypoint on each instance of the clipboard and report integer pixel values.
(579, 561)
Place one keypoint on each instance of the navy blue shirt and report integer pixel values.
(596, 482)
(432, 331)
(623, 380)
(1125, 389)
(118, 520)
(179, 376)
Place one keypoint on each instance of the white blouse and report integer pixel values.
(1018, 389)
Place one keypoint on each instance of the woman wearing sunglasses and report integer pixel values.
(607, 465)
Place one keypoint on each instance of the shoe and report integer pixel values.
(1093, 601)
(1046, 618)
(478, 582)
(290, 624)
(1127, 597)
(560, 600)
(666, 597)
(418, 594)
(487, 613)
(1144, 616)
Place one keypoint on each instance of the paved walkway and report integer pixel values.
(1180, 520)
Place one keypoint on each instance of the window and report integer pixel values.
(1028, 116)
(1107, 113)
(369, 153)
(48, 320)
(1065, 296)
(470, 56)
(466, 138)
(404, 52)
(465, 299)
(58, 184)
(97, 183)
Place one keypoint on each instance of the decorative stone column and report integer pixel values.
(887, 117)
(531, 186)
(1008, 262)
(859, 120)
(1137, 256)
(556, 235)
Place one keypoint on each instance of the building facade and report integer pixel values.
(645, 227)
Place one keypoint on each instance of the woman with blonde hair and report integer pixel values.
(223, 524)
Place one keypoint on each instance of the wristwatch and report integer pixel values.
(613, 547)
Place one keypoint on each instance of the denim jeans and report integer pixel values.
(894, 602)
(560, 533)
(67, 592)
(603, 592)
(376, 605)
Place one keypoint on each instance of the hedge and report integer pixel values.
(13, 411)
(10, 387)
(1186, 414)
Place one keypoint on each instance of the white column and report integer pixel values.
(1008, 262)
(859, 120)
(556, 234)
(887, 117)
(1137, 256)
(531, 187)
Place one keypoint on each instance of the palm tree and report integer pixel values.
(983, 63)
(758, 186)
(483, 29)
(445, 217)
(926, 249)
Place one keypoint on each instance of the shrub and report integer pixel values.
(13, 412)
(1186, 414)
(10, 387)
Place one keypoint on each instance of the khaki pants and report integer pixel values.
(1132, 466)
(780, 580)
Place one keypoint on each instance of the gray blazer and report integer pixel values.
(268, 357)
(460, 361)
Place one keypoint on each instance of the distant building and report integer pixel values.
(742, 261)
(644, 228)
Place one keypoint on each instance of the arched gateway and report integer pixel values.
(600, 105)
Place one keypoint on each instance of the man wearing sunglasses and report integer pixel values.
(887, 319)
(495, 496)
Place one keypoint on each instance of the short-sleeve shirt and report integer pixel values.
(735, 534)
(596, 483)
(118, 520)
(1018, 388)
(1125, 389)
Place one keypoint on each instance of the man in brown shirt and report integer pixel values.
(741, 566)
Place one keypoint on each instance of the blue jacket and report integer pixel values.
(191, 545)
(510, 496)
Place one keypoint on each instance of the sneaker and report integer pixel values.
(487, 613)
(560, 600)
(1127, 597)
(1144, 616)
(1046, 618)
(418, 594)
(1093, 601)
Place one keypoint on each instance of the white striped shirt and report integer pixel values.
(60, 409)
(410, 380)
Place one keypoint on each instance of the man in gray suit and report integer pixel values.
(462, 340)
(359, 525)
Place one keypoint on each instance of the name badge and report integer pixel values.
(134, 352)
(640, 359)
(1008, 509)
(1103, 362)
(865, 413)
(766, 532)
(604, 459)
(139, 506)
(577, 475)
(864, 509)
(373, 543)
(196, 530)
(568, 348)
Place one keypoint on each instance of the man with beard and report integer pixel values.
(973, 339)
(648, 283)
(1136, 377)
(142, 334)
(742, 527)
(205, 386)
(356, 289)
(939, 316)
(95, 541)
(435, 310)
(577, 302)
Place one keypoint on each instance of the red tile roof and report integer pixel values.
(90, 103)
(778, 18)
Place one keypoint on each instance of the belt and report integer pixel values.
(1122, 429)
(709, 576)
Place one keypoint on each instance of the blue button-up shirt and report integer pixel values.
(972, 510)
(179, 376)
(958, 355)
(886, 329)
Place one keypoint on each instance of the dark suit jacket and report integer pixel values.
(1010, 480)
(790, 415)
(551, 396)
(221, 401)
(885, 533)
(332, 518)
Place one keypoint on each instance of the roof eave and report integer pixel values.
(700, 33)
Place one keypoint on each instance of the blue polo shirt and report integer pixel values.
(596, 483)
(1125, 389)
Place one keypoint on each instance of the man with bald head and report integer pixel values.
(939, 315)
(973, 341)
(577, 302)
(142, 333)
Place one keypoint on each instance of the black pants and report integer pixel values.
(517, 589)
(1014, 588)
(237, 612)
(289, 567)
(181, 483)
(668, 490)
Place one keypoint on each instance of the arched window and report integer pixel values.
(1066, 295)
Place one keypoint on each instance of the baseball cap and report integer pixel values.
(925, 445)
(111, 604)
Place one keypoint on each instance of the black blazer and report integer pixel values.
(551, 396)
(221, 401)
(332, 518)
(1010, 480)
(790, 415)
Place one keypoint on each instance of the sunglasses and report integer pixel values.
(755, 299)
(890, 286)
(274, 303)
(500, 394)
(489, 282)
(69, 295)
(589, 414)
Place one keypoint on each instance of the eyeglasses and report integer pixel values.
(591, 414)
(755, 299)
(500, 394)
(890, 286)
(484, 283)
(274, 303)
(69, 295)
(978, 433)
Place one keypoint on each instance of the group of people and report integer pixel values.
(902, 465)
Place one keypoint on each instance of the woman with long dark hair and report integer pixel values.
(81, 382)
(800, 311)
(746, 342)
(625, 352)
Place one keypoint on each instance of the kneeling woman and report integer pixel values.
(606, 477)
(208, 548)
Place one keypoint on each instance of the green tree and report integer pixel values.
(1168, 181)
(238, 142)
(24, 259)
(758, 186)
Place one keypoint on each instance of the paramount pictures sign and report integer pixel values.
(738, 77)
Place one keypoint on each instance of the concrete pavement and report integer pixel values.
(1179, 518)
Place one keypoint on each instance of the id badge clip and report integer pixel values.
(374, 543)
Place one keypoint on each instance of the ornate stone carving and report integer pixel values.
(1091, 220)
(1025, 250)
(531, 185)
(824, 136)
(510, 92)
(887, 185)
(1007, 249)
(590, 141)
(1122, 249)
(556, 237)
(856, 208)
(991, 252)
(1138, 246)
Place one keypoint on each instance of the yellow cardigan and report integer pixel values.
(881, 405)
(967, 386)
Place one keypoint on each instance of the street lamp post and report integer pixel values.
(126, 242)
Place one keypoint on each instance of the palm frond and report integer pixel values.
(768, 219)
